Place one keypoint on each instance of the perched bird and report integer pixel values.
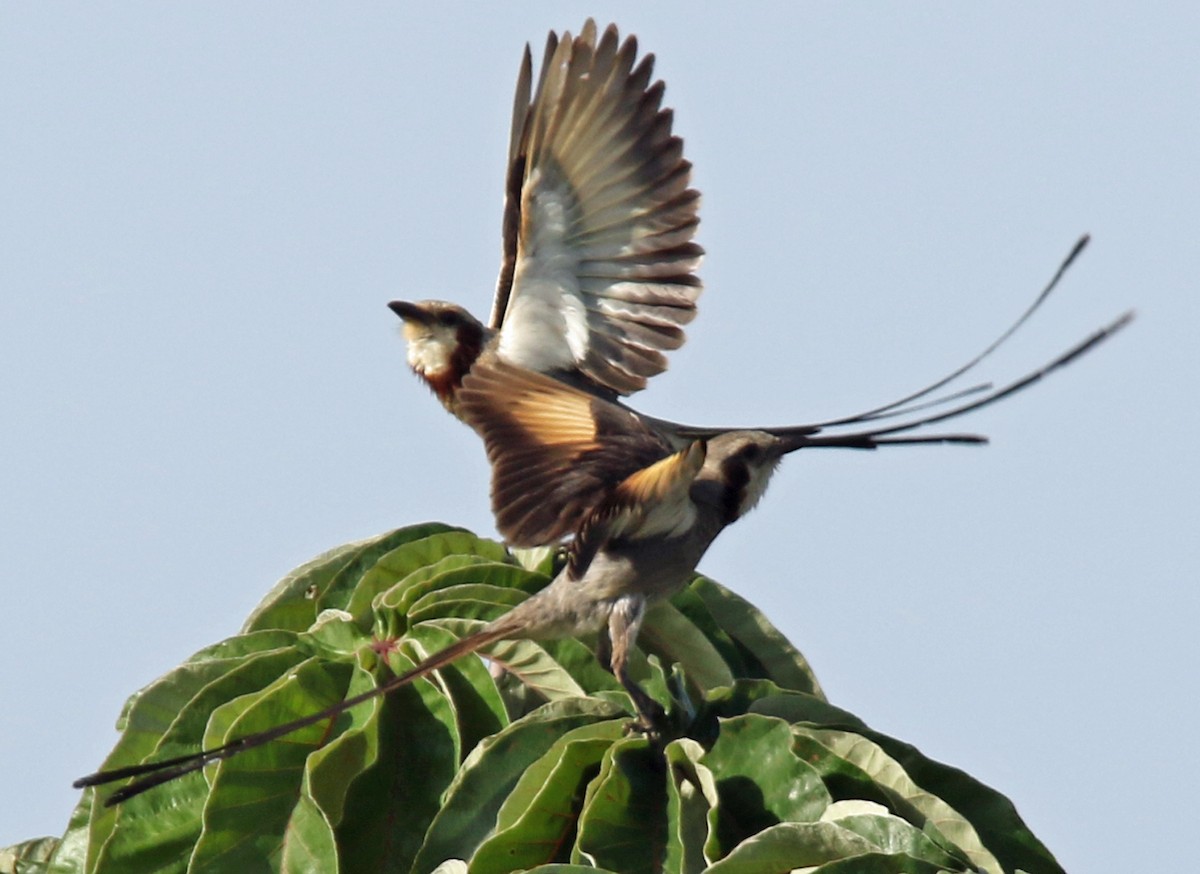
(598, 270)
(597, 281)
(643, 515)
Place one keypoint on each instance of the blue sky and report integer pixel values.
(207, 207)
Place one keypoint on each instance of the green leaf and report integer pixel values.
(295, 601)
(879, 863)
(144, 833)
(858, 779)
(886, 772)
(537, 822)
(28, 857)
(334, 636)
(331, 770)
(482, 584)
(979, 811)
(261, 786)
(478, 707)
(789, 845)
(579, 662)
(674, 638)
(761, 641)
(415, 746)
(529, 661)
(72, 852)
(691, 794)
(623, 822)
(766, 698)
(490, 772)
(760, 782)
(891, 834)
(355, 594)
(976, 818)
(454, 600)
(540, 559)
(694, 609)
(309, 843)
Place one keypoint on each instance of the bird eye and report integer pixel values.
(446, 318)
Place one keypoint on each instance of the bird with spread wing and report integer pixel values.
(596, 284)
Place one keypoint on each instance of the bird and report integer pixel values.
(644, 514)
(598, 269)
(597, 282)
(598, 274)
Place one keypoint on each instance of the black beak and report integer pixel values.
(790, 442)
(410, 312)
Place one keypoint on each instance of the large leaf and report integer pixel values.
(166, 719)
(760, 782)
(472, 804)
(415, 754)
(623, 822)
(537, 822)
(993, 826)
(691, 795)
(788, 845)
(765, 647)
(262, 785)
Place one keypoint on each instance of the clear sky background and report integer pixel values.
(206, 207)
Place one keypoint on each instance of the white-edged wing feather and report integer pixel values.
(598, 275)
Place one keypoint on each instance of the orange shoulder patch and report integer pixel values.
(552, 413)
(663, 479)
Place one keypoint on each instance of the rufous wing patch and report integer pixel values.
(663, 481)
(553, 413)
(556, 452)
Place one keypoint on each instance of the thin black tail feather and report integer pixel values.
(153, 774)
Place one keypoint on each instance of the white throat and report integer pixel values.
(760, 475)
(430, 348)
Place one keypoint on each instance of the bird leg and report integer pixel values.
(623, 625)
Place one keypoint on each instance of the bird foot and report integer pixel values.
(651, 718)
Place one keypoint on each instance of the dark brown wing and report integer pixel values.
(598, 277)
(653, 502)
(556, 452)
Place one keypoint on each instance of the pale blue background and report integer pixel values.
(206, 206)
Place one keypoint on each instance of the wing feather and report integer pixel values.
(556, 451)
(652, 502)
(598, 209)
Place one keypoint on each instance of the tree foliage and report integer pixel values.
(527, 768)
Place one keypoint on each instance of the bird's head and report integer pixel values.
(740, 464)
(443, 342)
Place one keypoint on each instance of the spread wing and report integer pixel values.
(556, 452)
(598, 275)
